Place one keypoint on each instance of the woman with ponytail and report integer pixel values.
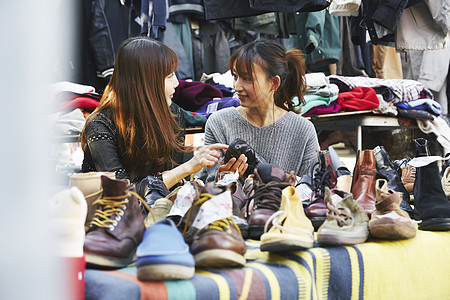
(269, 82)
(133, 131)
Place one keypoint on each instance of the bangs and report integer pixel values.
(241, 63)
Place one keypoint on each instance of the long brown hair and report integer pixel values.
(274, 60)
(146, 129)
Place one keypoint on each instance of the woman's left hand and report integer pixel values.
(206, 156)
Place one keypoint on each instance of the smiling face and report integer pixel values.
(253, 90)
(170, 83)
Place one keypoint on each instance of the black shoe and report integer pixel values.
(431, 206)
(387, 169)
(238, 147)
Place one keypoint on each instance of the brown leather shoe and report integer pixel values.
(117, 227)
(219, 244)
(324, 176)
(408, 177)
(389, 221)
(364, 176)
(268, 182)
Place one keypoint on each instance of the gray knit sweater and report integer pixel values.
(292, 145)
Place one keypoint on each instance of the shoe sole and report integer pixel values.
(339, 241)
(99, 261)
(391, 231)
(286, 245)
(435, 224)
(219, 258)
(164, 272)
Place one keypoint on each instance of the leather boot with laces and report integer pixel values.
(346, 223)
(268, 182)
(117, 227)
(324, 176)
(220, 244)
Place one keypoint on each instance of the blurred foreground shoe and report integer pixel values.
(431, 206)
(291, 229)
(163, 254)
(219, 244)
(324, 176)
(268, 182)
(363, 184)
(387, 168)
(346, 223)
(117, 227)
(389, 221)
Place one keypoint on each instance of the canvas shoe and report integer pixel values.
(389, 221)
(346, 223)
(291, 230)
(163, 254)
(160, 209)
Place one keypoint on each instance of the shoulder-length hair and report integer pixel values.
(146, 128)
(274, 60)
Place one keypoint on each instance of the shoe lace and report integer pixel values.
(202, 199)
(109, 207)
(321, 178)
(341, 215)
(267, 196)
(275, 220)
(224, 225)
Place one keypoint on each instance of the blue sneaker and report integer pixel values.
(163, 254)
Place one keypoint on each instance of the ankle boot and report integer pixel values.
(431, 206)
(324, 176)
(386, 168)
(117, 227)
(364, 176)
(268, 182)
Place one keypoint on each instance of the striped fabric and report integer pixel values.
(412, 269)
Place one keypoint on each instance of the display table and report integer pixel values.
(411, 269)
(359, 120)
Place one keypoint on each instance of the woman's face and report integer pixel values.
(170, 83)
(256, 92)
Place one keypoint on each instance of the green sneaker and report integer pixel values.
(346, 223)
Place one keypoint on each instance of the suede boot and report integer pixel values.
(324, 176)
(117, 227)
(386, 168)
(431, 206)
(363, 184)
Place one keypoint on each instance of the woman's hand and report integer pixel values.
(206, 156)
(234, 164)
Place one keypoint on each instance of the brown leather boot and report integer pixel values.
(269, 180)
(364, 177)
(117, 227)
(408, 177)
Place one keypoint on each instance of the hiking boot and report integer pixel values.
(346, 223)
(324, 176)
(117, 227)
(389, 221)
(431, 205)
(291, 229)
(220, 244)
(363, 185)
(268, 182)
(387, 168)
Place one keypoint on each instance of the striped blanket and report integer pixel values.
(412, 269)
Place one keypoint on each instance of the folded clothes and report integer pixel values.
(415, 114)
(360, 98)
(334, 107)
(429, 105)
(192, 95)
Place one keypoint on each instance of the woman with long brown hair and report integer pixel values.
(133, 131)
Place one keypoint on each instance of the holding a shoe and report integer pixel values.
(266, 79)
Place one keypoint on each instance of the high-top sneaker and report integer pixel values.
(268, 182)
(389, 221)
(363, 184)
(117, 227)
(346, 222)
(387, 168)
(324, 176)
(431, 206)
(291, 229)
(90, 185)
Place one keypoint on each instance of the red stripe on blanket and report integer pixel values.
(150, 290)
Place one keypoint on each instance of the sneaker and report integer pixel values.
(160, 210)
(346, 223)
(389, 221)
(163, 254)
(291, 230)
